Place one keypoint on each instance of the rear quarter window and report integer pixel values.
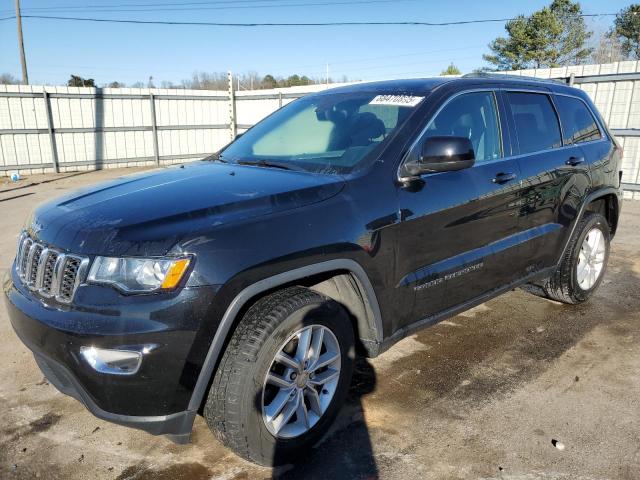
(578, 124)
(536, 122)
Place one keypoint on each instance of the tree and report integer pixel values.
(293, 80)
(115, 85)
(78, 81)
(451, 70)
(169, 84)
(551, 37)
(269, 81)
(608, 49)
(207, 81)
(626, 28)
(8, 79)
(252, 80)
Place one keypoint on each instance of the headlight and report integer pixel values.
(137, 275)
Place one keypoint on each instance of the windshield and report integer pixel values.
(323, 133)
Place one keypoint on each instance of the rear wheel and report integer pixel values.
(583, 265)
(283, 376)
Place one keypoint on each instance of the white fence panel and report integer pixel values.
(99, 128)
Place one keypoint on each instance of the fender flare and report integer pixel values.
(583, 208)
(228, 319)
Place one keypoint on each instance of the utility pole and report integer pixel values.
(327, 74)
(232, 108)
(25, 77)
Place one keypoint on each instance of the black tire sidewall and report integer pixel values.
(598, 221)
(277, 451)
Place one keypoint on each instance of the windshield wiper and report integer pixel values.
(267, 163)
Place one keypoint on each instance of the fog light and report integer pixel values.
(114, 362)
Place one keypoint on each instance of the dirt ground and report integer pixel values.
(517, 388)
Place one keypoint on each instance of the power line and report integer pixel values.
(281, 24)
(224, 7)
(185, 7)
(161, 4)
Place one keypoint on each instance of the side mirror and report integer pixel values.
(442, 154)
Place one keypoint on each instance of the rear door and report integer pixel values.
(579, 127)
(455, 238)
(554, 176)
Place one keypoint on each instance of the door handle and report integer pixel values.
(573, 161)
(504, 177)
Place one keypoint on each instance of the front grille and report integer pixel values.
(47, 271)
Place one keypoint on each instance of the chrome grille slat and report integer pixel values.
(20, 254)
(32, 264)
(58, 271)
(49, 272)
(44, 254)
(26, 247)
(68, 279)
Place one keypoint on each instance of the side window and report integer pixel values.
(578, 124)
(537, 126)
(474, 116)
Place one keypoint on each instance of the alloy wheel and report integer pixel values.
(591, 259)
(301, 381)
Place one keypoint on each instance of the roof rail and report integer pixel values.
(562, 81)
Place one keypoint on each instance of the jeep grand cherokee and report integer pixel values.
(242, 286)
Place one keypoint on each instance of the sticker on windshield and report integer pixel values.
(398, 100)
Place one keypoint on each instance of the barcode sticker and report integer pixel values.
(398, 100)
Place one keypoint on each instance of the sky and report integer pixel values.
(108, 52)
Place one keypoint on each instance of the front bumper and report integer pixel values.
(155, 398)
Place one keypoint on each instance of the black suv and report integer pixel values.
(241, 287)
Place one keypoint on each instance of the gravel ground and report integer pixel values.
(517, 388)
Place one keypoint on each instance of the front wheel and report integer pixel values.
(583, 265)
(283, 376)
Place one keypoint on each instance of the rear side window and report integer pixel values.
(578, 124)
(537, 126)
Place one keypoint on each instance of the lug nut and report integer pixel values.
(293, 376)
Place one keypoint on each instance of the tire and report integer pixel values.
(564, 284)
(234, 409)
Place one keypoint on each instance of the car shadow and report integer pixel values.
(346, 451)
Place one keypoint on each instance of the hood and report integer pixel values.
(147, 214)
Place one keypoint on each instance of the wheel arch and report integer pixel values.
(343, 280)
(608, 205)
(609, 197)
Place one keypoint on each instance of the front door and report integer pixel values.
(456, 237)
